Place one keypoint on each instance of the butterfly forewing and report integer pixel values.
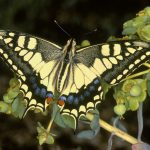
(114, 59)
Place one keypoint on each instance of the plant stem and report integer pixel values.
(147, 65)
(136, 74)
(114, 130)
(49, 125)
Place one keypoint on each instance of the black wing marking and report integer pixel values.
(13, 39)
(17, 50)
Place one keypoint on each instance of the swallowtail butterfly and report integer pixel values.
(44, 69)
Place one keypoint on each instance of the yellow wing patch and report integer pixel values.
(32, 43)
(21, 41)
(117, 49)
(105, 50)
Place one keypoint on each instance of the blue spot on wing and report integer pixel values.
(32, 79)
(96, 81)
(70, 99)
(34, 85)
(43, 92)
(91, 88)
(81, 98)
(76, 101)
(49, 94)
(86, 93)
(37, 91)
(63, 98)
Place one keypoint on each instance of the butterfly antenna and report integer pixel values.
(62, 28)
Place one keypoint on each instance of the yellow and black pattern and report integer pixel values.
(26, 55)
(116, 59)
(44, 68)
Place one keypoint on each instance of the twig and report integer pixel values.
(146, 64)
(114, 130)
(136, 74)
(49, 125)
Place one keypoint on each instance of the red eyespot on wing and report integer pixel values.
(49, 100)
(61, 102)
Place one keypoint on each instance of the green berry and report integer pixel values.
(120, 109)
(85, 43)
(135, 90)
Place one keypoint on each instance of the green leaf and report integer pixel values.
(88, 134)
(141, 83)
(127, 85)
(142, 97)
(63, 120)
(119, 96)
(127, 105)
(129, 31)
(147, 76)
(13, 82)
(133, 104)
(147, 11)
(57, 116)
(105, 87)
(50, 139)
(56, 109)
(144, 33)
(128, 23)
(7, 99)
(18, 107)
(148, 87)
(4, 107)
(15, 105)
(140, 21)
(69, 121)
(12, 93)
(95, 124)
(43, 135)
(40, 128)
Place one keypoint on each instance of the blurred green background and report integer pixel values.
(77, 17)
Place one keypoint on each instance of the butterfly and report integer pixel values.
(45, 69)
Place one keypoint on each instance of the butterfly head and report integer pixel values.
(70, 47)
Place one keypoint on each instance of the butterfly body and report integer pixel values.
(44, 69)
